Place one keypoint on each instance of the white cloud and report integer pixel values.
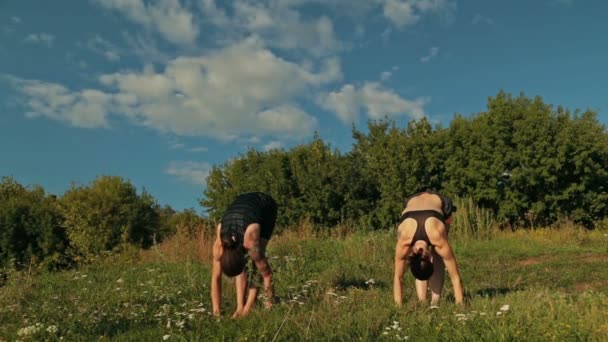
(372, 97)
(480, 19)
(86, 108)
(400, 12)
(169, 18)
(189, 171)
(276, 23)
(42, 38)
(385, 75)
(103, 47)
(240, 90)
(145, 48)
(273, 145)
(404, 13)
(432, 54)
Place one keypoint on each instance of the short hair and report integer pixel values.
(233, 261)
(421, 266)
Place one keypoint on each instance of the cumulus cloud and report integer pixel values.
(404, 13)
(86, 108)
(432, 54)
(277, 23)
(169, 18)
(374, 99)
(41, 38)
(189, 171)
(243, 89)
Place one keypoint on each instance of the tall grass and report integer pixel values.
(472, 222)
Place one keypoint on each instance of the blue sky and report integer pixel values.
(159, 91)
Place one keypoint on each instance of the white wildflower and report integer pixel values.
(166, 337)
(52, 329)
(119, 280)
(370, 282)
(504, 307)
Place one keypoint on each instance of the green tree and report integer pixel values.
(30, 227)
(108, 214)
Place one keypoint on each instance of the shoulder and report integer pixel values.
(252, 235)
(436, 231)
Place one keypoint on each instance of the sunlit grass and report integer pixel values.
(543, 285)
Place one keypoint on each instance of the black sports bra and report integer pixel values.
(421, 216)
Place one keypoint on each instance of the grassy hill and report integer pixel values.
(543, 285)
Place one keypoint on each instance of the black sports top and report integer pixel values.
(248, 208)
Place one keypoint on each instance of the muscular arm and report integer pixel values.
(444, 250)
(401, 251)
(256, 247)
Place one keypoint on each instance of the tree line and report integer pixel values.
(88, 221)
(526, 161)
(523, 160)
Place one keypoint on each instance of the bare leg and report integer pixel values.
(421, 289)
(436, 280)
(251, 297)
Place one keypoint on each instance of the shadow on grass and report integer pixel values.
(359, 283)
(488, 292)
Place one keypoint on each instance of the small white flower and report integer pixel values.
(52, 329)
(119, 280)
(385, 333)
(370, 282)
(166, 337)
(499, 313)
(504, 307)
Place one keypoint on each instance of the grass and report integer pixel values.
(543, 285)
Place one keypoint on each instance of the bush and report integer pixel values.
(108, 214)
(30, 227)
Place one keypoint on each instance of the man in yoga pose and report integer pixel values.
(422, 244)
(244, 230)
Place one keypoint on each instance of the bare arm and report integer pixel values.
(216, 279)
(444, 250)
(401, 251)
(257, 248)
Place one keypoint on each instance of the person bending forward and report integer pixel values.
(423, 246)
(244, 230)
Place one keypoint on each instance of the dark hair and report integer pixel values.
(233, 261)
(421, 267)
